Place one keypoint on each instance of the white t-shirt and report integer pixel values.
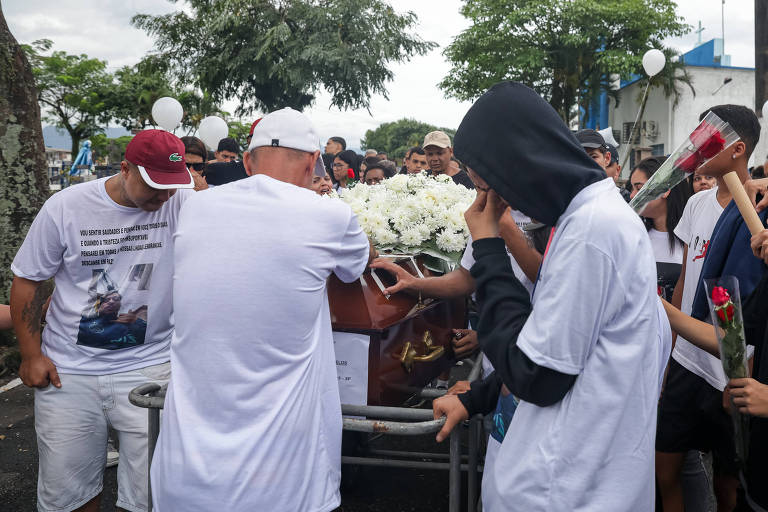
(111, 309)
(595, 315)
(468, 259)
(661, 249)
(695, 229)
(252, 417)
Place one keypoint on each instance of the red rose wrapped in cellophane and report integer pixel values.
(711, 137)
(725, 309)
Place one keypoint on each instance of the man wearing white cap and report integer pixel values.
(252, 417)
(108, 244)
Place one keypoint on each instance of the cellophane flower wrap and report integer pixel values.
(725, 310)
(412, 214)
(711, 137)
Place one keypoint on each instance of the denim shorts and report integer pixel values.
(72, 423)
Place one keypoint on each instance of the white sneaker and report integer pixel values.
(113, 456)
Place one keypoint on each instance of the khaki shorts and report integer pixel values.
(71, 423)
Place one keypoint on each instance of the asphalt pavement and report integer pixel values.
(363, 489)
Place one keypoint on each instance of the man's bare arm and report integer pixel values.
(27, 300)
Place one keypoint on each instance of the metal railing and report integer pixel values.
(400, 421)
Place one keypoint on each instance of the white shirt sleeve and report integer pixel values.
(468, 258)
(571, 306)
(42, 252)
(683, 228)
(352, 255)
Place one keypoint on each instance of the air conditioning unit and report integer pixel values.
(626, 133)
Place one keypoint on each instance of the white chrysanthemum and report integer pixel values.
(398, 183)
(450, 241)
(413, 211)
(411, 237)
(385, 237)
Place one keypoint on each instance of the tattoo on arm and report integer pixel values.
(32, 312)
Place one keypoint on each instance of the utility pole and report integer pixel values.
(761, 54)
(722, 22)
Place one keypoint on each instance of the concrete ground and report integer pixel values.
(364, 488)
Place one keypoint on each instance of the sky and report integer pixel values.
(101, 29)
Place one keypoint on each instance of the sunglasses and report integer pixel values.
(199, 166)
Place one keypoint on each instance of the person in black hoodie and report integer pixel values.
(582, 358)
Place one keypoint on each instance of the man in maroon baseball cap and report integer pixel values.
(159, 156)
(108, 244)
(152, 171)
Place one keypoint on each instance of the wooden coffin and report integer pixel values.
(408, 339)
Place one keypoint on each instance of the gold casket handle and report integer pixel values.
(408, 356)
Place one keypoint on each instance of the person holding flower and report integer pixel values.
(660, 217)
(344, 169)
(691, 414)
(749, 394)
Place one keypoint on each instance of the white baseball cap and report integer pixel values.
(288, 128)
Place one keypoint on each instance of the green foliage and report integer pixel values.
(109, 149)
(136, 89)
(73, 90)
(566, 50)
(395, 138)
(197, 106)
(239, 131)
(271, 54)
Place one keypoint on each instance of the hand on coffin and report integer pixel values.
(460, 387)
(464, 342)
(451, 407)
(405, 280)
(483, 215)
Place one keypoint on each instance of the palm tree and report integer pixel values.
(671, 79)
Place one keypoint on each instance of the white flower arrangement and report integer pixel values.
(414, 214)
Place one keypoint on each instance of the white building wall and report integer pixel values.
(676, 124)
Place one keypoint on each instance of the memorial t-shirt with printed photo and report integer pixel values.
(111, 309)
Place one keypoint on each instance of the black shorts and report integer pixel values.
(691, 417)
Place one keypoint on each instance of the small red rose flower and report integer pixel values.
(350, 174)
(729, 312)
(720, 295)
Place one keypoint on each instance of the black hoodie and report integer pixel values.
(519, 145)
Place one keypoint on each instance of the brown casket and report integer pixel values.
(408, 338)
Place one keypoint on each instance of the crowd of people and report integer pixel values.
(221, 295)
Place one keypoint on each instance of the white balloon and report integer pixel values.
(167, 113)
(211, 130)
(653, 62)
(765, 110)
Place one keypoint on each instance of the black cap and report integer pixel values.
(591, 139)
(614, 153)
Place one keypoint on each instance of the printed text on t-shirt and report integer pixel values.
(100, 244)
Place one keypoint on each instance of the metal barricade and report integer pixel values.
(402, 421)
